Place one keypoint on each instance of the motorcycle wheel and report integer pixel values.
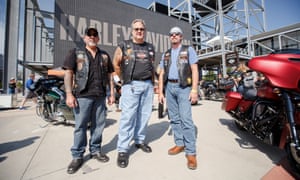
(39, 110)
(293, 157)
(45, 114)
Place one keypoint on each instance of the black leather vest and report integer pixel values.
(82, 70)
(128, 61)
(183, 65)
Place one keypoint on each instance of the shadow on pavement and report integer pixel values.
(248, 141)
(14, 145)
(154, 132)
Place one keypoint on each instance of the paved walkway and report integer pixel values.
(33, 149)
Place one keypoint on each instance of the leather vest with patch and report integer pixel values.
(183, 65)
(82, 70)
(128, 61)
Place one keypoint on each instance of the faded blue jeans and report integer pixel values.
(180, 113)
(136, 105)
(88, 110)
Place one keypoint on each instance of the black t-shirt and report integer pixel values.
(143, 66)
(94, 85)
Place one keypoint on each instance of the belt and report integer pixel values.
(141, 79)
(173, 80)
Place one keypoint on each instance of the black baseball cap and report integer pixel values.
(91, 31)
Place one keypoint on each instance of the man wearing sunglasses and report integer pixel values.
(90, 67)
(133, 61)
(179, 77)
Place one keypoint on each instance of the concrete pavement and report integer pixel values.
(31, 148)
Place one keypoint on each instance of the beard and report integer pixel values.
(93, 44)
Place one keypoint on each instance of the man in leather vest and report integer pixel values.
(91, 67)
(133, 62)
(179, 76)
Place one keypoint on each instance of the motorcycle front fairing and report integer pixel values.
(282, 70)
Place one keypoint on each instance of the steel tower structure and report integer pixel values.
(221, 26)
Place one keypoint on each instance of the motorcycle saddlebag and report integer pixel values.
(231, 101)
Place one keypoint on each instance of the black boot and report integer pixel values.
(123, 159)
(144, 147)
(74, 165)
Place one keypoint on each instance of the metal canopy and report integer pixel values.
(39, 67)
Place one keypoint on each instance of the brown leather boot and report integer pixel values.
(175, 150)
(191, 162)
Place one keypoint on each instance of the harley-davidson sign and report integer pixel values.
(113, 21)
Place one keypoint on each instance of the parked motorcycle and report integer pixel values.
(211, 91)
(272, 114)
(51, 104)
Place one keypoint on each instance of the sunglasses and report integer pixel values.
(174, 34)
(139, 29)
(92, 34)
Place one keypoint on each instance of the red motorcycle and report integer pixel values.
(272, 114)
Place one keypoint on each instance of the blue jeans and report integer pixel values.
(11, 91)
(136, 105)
(88, 110)
(180, 113)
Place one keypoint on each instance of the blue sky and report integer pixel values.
(279, 13)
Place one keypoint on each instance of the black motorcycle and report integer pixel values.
(211, 91)
(51, 104)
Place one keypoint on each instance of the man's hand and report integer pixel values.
(193, 96)
(111, 100)
(71, 101)
(161, 98)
